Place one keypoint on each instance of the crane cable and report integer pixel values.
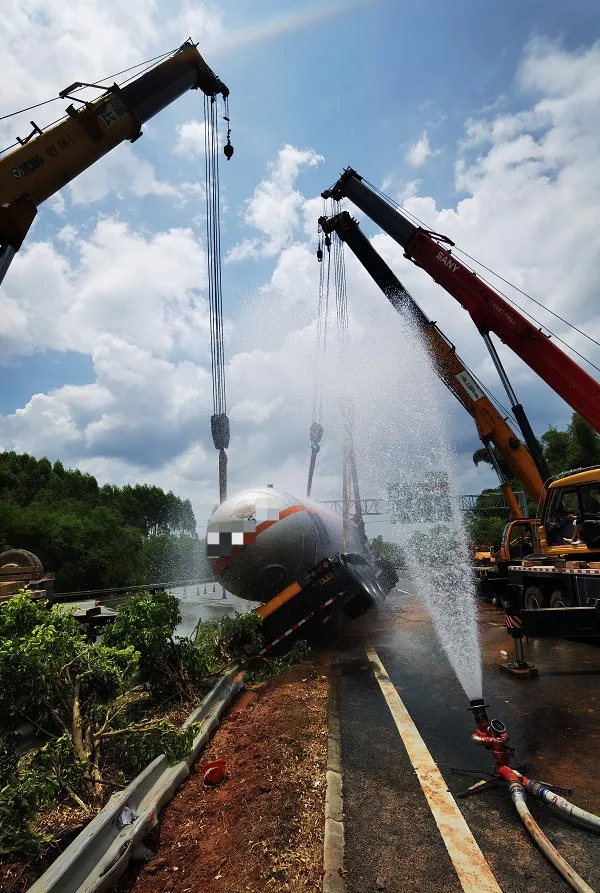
(219, 421)
(419, 222)
(350, 475)
(316, 428)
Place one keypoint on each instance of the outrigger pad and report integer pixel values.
(528, 672)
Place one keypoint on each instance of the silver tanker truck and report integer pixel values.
(266, 546)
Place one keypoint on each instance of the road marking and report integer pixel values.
(403, 591)
(474, 873)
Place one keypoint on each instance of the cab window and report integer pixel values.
(590, 500)
(561, 520)
(521, 542)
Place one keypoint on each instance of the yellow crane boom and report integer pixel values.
(49, 159)
(492, 428)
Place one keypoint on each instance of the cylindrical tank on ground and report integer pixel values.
(292, 536)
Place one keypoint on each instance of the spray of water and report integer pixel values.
(403, 419)
(409, 446)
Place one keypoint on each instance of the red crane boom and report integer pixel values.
(488, 310)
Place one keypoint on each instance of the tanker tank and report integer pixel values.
(267, 538)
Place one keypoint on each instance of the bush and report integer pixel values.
(77, 694)
(264, 668)
(222, 642)
(172, 666)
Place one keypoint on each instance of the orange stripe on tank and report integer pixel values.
(224, 560)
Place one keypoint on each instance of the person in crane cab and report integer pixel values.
(562, 521)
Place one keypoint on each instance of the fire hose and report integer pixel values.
(493, 736)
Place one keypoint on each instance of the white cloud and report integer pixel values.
(191, 137)
(121, 171)
(62, 32)
(420, 151)
(530, 183)
(275, 208)
(146, 288)
(81, 40)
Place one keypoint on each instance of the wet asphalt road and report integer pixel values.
(391, 835)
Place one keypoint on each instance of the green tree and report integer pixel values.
(73, 691)
(483, 528)
(577, 447)
(147, 623)
(95, 537)
(388, 551)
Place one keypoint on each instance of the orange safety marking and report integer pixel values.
(277, 601)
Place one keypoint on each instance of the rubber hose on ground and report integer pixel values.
(517, 793)
(542, 792)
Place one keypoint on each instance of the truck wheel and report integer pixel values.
(560, 599)
(20, 558)
(534, 599)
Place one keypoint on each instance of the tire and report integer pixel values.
(560, 599)
(535, 598)
(20, 558)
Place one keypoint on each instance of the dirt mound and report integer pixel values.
(262, 828)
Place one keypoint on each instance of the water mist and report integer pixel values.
(405, 441)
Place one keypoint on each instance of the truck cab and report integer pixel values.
(520, 538)
(570, 523)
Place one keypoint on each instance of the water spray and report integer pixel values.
(492, 735)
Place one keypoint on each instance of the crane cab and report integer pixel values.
(570, 523)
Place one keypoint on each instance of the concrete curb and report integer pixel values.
(334, 880)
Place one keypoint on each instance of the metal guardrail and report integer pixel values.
(100, 854)
(173, 584)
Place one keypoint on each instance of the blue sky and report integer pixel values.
(402, 91)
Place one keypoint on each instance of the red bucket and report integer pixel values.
(213, 773)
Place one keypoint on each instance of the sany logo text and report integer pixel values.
(447, 261)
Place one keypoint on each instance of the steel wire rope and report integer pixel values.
(510, 300)
(499, 405)
(150, 63)
(316, 428)
(219, 420)
(321, 342)
(213, 253)
(350, 474)
(108, 77)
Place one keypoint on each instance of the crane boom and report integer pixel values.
(489, 311)
(491, 426)
(46, 162)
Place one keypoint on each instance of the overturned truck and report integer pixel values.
(295, 559)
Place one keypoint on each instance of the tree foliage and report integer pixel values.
(172, 666)
(388, 551)
(74, 693)
(78, 697)
(96, 537)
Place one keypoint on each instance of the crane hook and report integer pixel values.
(227, 148)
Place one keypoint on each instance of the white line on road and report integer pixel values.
(474, 873)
